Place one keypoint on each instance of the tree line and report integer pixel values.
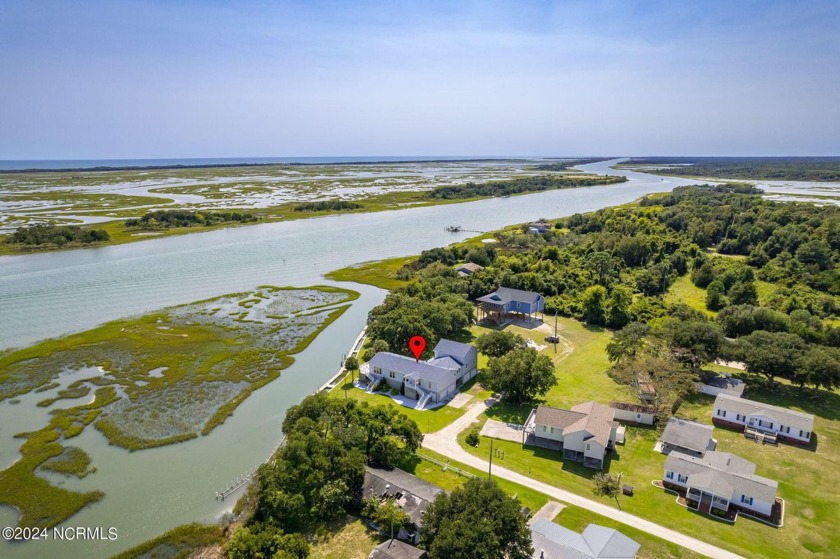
(749, 168)
(56, 235)
(519, 185)
(327, 205)
(164, 219)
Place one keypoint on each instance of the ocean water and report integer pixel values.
(17, 165)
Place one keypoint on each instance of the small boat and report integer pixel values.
(454, 228)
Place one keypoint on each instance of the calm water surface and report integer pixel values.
(152, 491)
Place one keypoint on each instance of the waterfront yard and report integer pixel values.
(428, 420)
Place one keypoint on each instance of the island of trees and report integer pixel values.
(45, 236)
(327, 206)
(164, 219)
(519, 186)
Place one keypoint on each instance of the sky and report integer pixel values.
(165, 79)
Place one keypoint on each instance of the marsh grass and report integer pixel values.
(168, 377)
(177, 544)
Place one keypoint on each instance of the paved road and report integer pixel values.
(445, 442)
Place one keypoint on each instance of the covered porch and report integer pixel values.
(706, 502)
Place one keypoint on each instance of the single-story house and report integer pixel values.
(395, 549)
(723, 384)
(720, 480)
(468, 269)
(504, 301)
(584, 434)
(633, 413)
(552, 541)
(434, 380)
(688, 437)
(538, 228)
(758, 417)
(412, 494)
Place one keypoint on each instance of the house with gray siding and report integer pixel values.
(435, 380)
(506, 301)
(758, 418)
(552, 541)
(584, 433)
(720, 480)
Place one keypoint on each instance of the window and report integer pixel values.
(721, 413)
(738, 417)
(552, 430)
(587, 446)
(377, 371)
(681, 478)
(784, 429)
(392, 374)
(546, 428)
(638, 416)
(669, 475)
(746, 500)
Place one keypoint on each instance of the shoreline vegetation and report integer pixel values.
(810, 169)
(172, 221)
(158, 379)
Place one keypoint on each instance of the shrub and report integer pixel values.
(472, 438)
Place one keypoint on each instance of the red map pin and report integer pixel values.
(417, 344)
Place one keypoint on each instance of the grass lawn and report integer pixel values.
(429, 420)
(581, 363)
(683, 291)
(571, 517)
(348, 538)
(449, 480)
(380, 273)
(808, 479)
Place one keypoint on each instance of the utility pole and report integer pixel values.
(490, 469)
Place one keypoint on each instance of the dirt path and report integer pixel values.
(445, 442)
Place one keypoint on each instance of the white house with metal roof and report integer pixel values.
(552, 541)
(720, 480)
(758, 418)
(435, 380)
(584, 434)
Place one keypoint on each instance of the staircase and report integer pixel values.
(760, 436)
(374, 382)
(421, 403)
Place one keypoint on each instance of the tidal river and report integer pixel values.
(152, 491)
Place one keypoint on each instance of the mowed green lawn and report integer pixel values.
(428, 420)
(809, 478)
